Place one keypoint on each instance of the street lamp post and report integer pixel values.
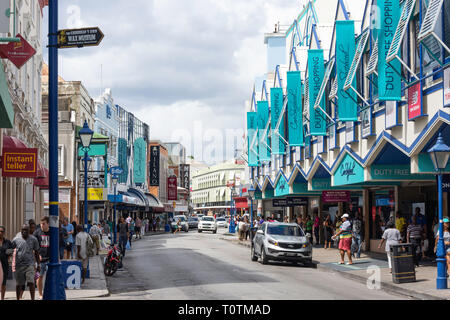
(251, 193)
(114, 180)
(439, 154)
(232, 228)
(54, 283)
(86, 138)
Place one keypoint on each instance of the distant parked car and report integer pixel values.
(222, 222)
(282, 242)
(183, 222)
(200, 215)
(193, 222)
(207, 223)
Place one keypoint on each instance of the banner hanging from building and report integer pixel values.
(391, 114)
(140, 155)
(316, 72)
(295, 110)
(154, 166)
(276, 106)
(123, 160)
(366, 122)
(172, 191)
(415, 101)
(345, 51)
(19, 162)
(389, 81)
(252, 141)
(263, 119)
(185, 176)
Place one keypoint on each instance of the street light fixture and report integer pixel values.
(86, 137)
(114, 180)
(251, 194)
(439, 155)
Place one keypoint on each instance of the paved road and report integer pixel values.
(202, 266)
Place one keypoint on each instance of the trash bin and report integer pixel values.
(253, 232)
(403, 268)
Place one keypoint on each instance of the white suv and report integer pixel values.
(207, 223)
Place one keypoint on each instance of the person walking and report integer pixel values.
(391, 236)
(446, 241)
(81, 242)
(241, 230)
(123, 235)
(69, 241)
(415, 235)
(400, 224)
(27, 255)
(246, 228)
(178, 227)
(43, 236)
(345, 239)
(357, 234)
(6, 251)
(316, 228)
(131, 225)
(327, 231)
(95, 234)
(138, 228)
(309, 226)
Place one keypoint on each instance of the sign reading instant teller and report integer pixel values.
(78, 38)
(20, 163)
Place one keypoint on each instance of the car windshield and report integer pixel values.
(285, 230)
(208, 219)
(220, 219)
(181, 218)
(193, 219)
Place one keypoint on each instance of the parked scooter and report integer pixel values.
(113, 261)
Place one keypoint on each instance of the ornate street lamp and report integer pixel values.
(86, 137)
(114, 180)
(251, 194)
(439, 154)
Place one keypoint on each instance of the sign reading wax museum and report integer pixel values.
(389, 81)
(20, 163)
(316, 72)
(345, 51)
(334, 196)
(415, 101)
(154, 166)
(263, 119)
(276, 106)
(78, 38)
(185, 176)
(295, 110)
(172, 191)
(252, 141)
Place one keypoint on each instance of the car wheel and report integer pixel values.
(264, 259)
(253, 254)
(199, 231)
(215, 231)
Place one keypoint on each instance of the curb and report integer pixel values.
(384, 285)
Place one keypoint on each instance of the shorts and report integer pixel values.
(44, 268)
(84, 263)
(68, 246)
(345, 244)
(24, 275)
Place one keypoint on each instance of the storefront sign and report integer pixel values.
(251, 132)
(445, 183)
(279, 203)
(17, 52)
(297, 201)
(140, 155)
(316, 72)
(333, 196)
(172, 192)
(21, 163)
(366, 122)
(295, 114)
(391, 119)
(276, 106)
(415, 101)
(185, 176)
(282, 187)
(395, 173)
(263, 118)
(348, 172)
(345, 51)
(95, 194)
(389, 81)
(154, 166)
(321, 184)
(447, 87)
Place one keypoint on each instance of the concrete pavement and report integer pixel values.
(327, 260)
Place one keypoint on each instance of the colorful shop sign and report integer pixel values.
(348, 172)
(334, 196)
(96, 194)
(415, 101)
(282, 187)
(140, 155)
(19, 162)
(395, 173)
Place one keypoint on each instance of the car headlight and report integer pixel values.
(305, 246)
(273, 242)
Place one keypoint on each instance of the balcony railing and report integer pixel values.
(96, 179)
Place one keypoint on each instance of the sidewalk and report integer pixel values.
(94, 287)
(327, 260)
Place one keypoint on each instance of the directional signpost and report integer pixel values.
(78, 38)
(116, 171)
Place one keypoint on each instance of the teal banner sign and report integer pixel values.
(389, 81)
(140, 156)
(123, 160)
(251, 135)
(282, 187)
(316, 72)
(95, 150)
(295, 110)
(345, 52)
(276, 105)
(396, 172)
(348, 172)
(263, 119)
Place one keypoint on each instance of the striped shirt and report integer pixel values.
(415, 231)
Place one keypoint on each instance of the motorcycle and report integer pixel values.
(113, 261)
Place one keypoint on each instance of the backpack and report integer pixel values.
(90, 246)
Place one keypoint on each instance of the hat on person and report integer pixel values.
(345, 216)
(446, 220)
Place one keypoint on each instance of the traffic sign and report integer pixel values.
(116, 171)
(78, 38)
(17, 52)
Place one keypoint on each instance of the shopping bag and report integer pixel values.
(128, 247)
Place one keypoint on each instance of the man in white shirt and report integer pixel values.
(81, 243)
